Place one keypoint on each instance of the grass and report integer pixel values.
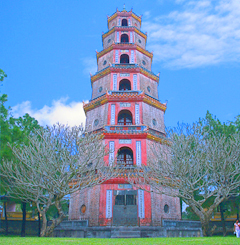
(114, 241)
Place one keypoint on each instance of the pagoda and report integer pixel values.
(126, 109)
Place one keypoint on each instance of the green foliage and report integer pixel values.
(189, 214)
(212, 125)
(2, 75)
(13, 130)
(52, 212)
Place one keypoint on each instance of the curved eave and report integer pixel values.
(109, 135)
(110, 69)
(117, 28)
(124, 46)
(124, 14)
(163, 141)
(126, 97)
(141, 135)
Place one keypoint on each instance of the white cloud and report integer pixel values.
(90, 65)
(59, 112)
(203, 33)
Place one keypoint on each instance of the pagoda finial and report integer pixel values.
(124, 8)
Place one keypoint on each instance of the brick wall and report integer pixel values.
(158, 202)
(145, 82)
(150, 113)
(103, 82)
(106, 42)
(109, 59)
(99, 113)
(113, 23)
(90, 198)
(135, 23)
(141, 58)
(139, 40)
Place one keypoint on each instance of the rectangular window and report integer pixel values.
(137, 116)
(141, 210)
(109, 204)
(114, 81)
(135, 82)
(138, 153)
(111, 152)
(129, 22)
(131, 37)
(132, 56)
(117, 37)
(116, 56)
(112, 114)
(119, 22)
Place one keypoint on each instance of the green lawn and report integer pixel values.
(138, 241)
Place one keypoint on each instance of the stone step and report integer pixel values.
(125, 234)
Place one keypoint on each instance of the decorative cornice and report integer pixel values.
(123, 46)
(108, 33)
(140, 135)
(104, 51)
(112, 17)
(100, 74)
(124, 14)
(164, 141)
(141, 33)
(120, 67)
(124, 96)
(122, 27)
(151, 101)
(150, 75)
(144, 51)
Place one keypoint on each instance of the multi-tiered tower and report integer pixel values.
(126, 109)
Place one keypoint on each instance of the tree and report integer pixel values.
(214, 127)
(56, 162)
(2, 75)
(14, 131)
(201, 167)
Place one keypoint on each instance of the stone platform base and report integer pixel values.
(169, 229)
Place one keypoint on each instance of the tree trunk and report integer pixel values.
(54, 224)
(57, 221)
(205, 226)
(44, 225)
(24, 204)
(6, 219)
(223, 220)
(39, 224)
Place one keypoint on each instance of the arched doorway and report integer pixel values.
(125, 157)
(124, 22)
(124, 59)
(124, 38)
(125, 85)
(125, 117)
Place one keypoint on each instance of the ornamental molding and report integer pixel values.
(126, 97)
(118, 28)
(124, 14)
(124, 46)
(124, 68)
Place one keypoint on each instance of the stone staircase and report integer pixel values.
(125, 232)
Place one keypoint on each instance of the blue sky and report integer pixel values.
(47, 49)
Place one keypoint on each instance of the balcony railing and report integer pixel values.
(126, 129)
(122, 43)
(125, 66)
(124, 92)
